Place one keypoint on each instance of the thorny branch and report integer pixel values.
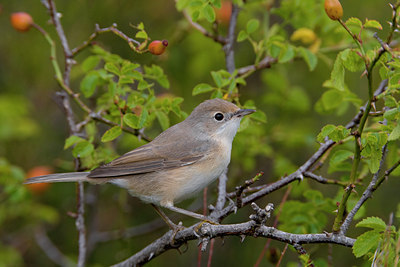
(252, 228)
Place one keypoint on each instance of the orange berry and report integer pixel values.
(223, 14)
(38, 171)
(158, 47)
(333, 9)
(21, 21)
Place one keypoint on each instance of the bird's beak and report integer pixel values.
(243, 112)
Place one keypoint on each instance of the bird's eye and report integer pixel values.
(219, 116)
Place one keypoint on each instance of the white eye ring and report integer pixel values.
(219, 116)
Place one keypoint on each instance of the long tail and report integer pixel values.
(59, 177)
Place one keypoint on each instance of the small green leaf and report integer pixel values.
(90, 63)
(143, 118)
(252, 26)
(352, 61)
(111, 134)
(372, 24)
(242, 36)
(331, 99)
(209, 13)
(259, 116)
(374, 223)
(72, 140)
(354, 22)
(131, 120)
(89, 84)
(339, 156)
(83, 149)
(395, 134)
(202, 88)
(309, 58)
(111, 67)
(141, 35)
(163, 81)
(140, 26)
(366, 242)
(337, 74)
(325, 131)
(286, 54)
(217, 78)
(163, 120)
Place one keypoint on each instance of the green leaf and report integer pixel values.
(372, 24)
(111, 134)
(352, 61)
(163, 81)
(202, 88)
(162, 119)
(395, 134)
(83, 149)
(259, 116)
(366, 242)
(354, 22)
(217, 78)
(286, 54)
(131, 120)
(309, 58)
(335, 133)
(331, 99)
(143, 118)
(89, 84)
(90, 63)
(374, 223)
(141, 35)
(252, 26)
(337, 74)
(209, 13)
(339, 156)
(111, 67)
(72, 140)
(242, 36)
(140, 26)
(325, 131)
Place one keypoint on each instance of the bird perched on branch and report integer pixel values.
(178, 163)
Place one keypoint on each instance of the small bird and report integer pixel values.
(179, 162)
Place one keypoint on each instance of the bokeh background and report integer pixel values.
(33, 128)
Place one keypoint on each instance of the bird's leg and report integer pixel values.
(174, 227)
(165, 218)
(191, 214)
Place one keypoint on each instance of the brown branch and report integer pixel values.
(80, 220)
(323, 180)
(265, 63)
(251, 228)
(217, 38)
(113, 28)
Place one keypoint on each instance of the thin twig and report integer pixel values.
(266, 246)
(217, 38)
(80, 220)
(283, 254)
(265, 63)
(113, 28)
(323, 180)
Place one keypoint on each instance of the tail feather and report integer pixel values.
(59, 177)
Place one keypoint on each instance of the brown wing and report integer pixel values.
(145, 159)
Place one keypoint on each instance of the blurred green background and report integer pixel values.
(33, 128)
